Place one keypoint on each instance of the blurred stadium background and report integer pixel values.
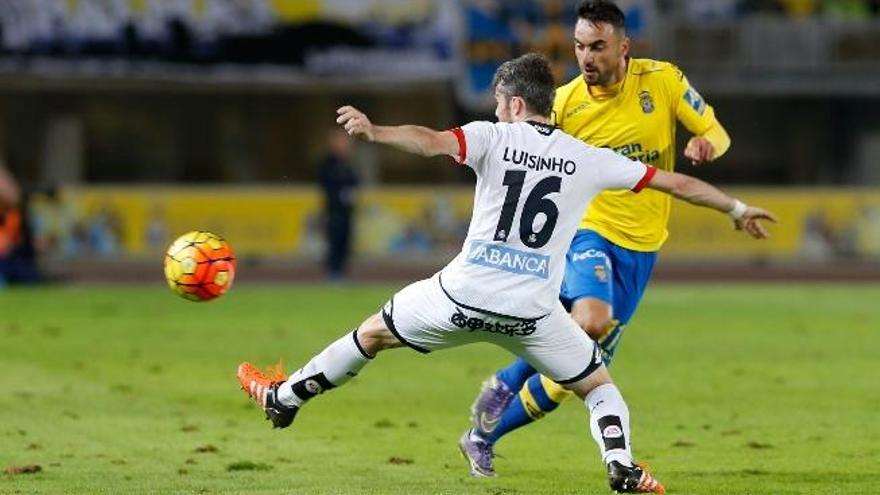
(129, 122)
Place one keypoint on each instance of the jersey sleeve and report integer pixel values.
(474, 141)
(690, 107)
(614, 171)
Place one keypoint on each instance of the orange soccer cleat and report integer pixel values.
(633, 479)
(263, 389)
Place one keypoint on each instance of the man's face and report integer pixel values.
(341, 144)
(600, 50)
(502, 107)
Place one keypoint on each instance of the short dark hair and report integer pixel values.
(530, 78)
(596, 11)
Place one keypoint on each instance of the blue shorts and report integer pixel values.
(596, 267)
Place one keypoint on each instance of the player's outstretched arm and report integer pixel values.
(700, 193)
(410, 138)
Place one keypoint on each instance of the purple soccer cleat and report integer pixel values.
(486, 411)
(478, 453)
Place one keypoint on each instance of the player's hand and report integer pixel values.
(355, 123)
(699, 150)
(750, 222)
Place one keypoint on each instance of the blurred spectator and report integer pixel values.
(819, 241)
(550, 33)
(156, 234)
(169, 27)
(866, 232)
(412, 240)
(641, 19)
(846, 9)
(799, 8)
(712, 10)
(103, 231)
(10, 194)
(339, 183)
(640, 14)
(56, 227)
(492, 40)
(448, 231)
(762, 6)
(97, 26)
(838, 9)
(17, 259)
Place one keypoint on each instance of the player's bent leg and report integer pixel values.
(374, 336)
(574, 361)
(516, 374)
(538, 397)
(595, 317)
(494, 398)
(602, 285)
(541, 396)
(496, 394)
(587, 284)
(281, 399)
(609, 426)
(498, 410)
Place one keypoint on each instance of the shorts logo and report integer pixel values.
(646, 101)
(588, 254)
(601, 275)
(612, 431)
(509, 260)
(313, 386)
(516, 328)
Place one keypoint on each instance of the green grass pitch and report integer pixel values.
(734, 389)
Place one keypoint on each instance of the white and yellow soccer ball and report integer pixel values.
(199, 266)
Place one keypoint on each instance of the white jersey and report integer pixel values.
(533, 184)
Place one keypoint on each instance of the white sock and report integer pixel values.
(336, 364)
(609, 423)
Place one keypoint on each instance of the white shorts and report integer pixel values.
(424, 317)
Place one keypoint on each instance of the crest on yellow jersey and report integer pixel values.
(646, 101)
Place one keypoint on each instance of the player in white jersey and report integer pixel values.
(533, 182)
(521, 217)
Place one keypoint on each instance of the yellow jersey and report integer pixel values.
(636, 118)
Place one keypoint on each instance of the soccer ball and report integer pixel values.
(199, 266)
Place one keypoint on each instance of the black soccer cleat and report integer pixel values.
(280, 415)
(632, 479)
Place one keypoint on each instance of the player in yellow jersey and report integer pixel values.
(631, 106)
